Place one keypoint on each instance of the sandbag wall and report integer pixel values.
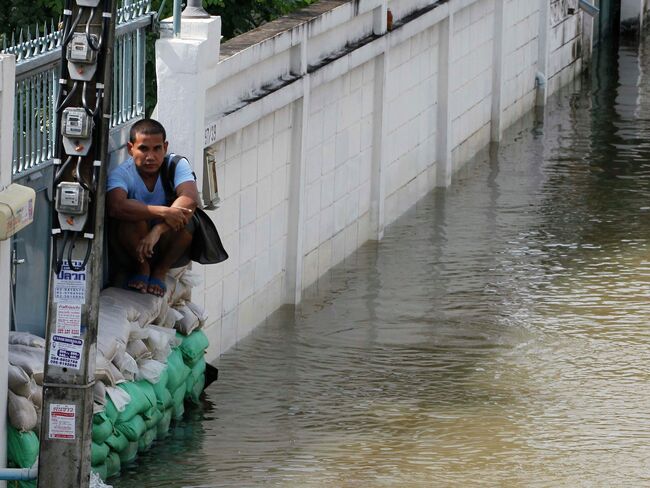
(150, 361)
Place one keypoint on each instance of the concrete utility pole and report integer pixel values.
(81, 157)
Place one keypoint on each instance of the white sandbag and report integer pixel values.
(145, 305)
(19, 381)
(126, 364)
(160, 342)
(170, 319)
(138, 332)
(189, 322)
(96, 481)
(97, 408)
(138, 350)
(114, 329)
(26, 339)
(191, 279)
(99, 394)
(182, 292)
(22, 413)
(199, 311)
(36, 396)
(107, 373)
(30, 359)
(119, 397)
(150, 370)
(177, 273)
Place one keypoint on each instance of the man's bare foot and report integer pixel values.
(140, 280)
(157, 285)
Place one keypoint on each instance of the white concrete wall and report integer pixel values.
(7, 89)
(326, 127)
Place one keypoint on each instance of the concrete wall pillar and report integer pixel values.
(297, 187)
(7, 89)
(444, 165)
(543, 52)
(496, 129)
(380, 140)
(183, 67)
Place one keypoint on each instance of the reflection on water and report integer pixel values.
(498, 335)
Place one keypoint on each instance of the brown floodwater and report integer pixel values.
(499, 335)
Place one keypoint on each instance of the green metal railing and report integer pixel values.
(38, 61)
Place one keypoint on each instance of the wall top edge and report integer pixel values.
(280, 26)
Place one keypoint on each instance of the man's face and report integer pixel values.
(148, 152)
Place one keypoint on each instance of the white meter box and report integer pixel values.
(16, 209)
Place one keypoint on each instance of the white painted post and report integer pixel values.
(542, 54)
(379, 144)
(496, 129)
(7, 89)
(183, 65)
(297, 186)
(444, 166)
(379, 136)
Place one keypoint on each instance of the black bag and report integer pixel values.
(206, 245)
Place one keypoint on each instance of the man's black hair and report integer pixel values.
(149, 127)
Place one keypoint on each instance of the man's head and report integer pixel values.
(147, 145)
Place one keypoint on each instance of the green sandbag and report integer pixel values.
(102, 427)
(100, 469)
(22, 484)
(147, 440)
(195, 393)
(176, 369)
(178, 407)
(198, 369)
(22, 447)
(140, 399)
(152, 417)
(133, 429)
(193, 346)
(98, 453)
(161, 387)
(113, 465)
(129, 454)
(165, 400)
(117, 441)
(163, 426)
(110, 410)
(149, 392)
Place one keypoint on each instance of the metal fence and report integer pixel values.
(38, 65)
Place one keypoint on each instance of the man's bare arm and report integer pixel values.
(122, 208)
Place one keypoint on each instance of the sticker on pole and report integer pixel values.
(68, 319)
(70, 285)
(65, 351)
(62, 421)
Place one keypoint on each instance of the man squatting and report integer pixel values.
(154, 234)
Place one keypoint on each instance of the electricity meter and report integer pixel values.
(88, 3)
(72, 205)
(82, 59)
(79, 51)
(77, 130)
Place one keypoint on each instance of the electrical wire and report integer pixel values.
(89, 37)
(58, 264)
(86, 257)
(99, 95)
(78, 176)
(59, 173)
(71, 30)
(68, 97)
